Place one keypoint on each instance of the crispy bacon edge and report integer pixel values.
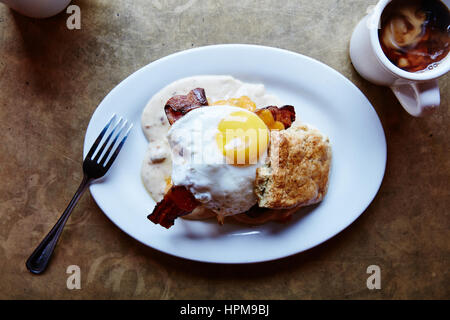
(177, 202)
(285, 114)
(177, 106)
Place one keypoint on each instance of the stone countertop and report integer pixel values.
(51, 81)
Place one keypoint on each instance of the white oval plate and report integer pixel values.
(321, 96)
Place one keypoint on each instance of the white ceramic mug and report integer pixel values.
(417, 92)
(37, 8)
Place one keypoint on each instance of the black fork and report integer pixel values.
(94, 167)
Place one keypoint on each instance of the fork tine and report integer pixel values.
(111, 146)
(99, 138)
(105, 143)
(116, 152)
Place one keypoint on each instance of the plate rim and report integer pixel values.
(240, 46)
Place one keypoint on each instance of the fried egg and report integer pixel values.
(215, 153)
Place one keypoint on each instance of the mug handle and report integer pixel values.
(418, 98)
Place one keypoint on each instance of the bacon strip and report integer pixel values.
(285, 114)
(177, 106)
(177, 202)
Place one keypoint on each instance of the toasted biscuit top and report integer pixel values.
(296, 172)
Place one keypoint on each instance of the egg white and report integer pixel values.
(199, 165)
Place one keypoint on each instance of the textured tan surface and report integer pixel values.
(51, 81)
(296, 174)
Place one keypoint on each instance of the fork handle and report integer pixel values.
(38, 260)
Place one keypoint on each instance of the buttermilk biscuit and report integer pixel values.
(296, 172)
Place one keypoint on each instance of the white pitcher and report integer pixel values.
(37, 8)
(418, 93)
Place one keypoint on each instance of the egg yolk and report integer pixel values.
(243, 137)
(246, 103)
(268, 119)
(169, 184)
(242, 102)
